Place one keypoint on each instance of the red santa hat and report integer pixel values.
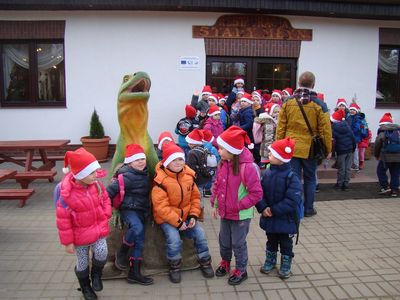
(190, 111)
(247, 98)
(213, 110)
(208, 136)
(213, 97)
(288, 91)
(341, 101)
(338, 116)
(234, 139)
(170, 152)
(164, 136)
(222, 101)
(81, 163)
(270, 107)
(195, 137)
(277, 93)
(241, 92)
(238, 79)
(133, 152)
(206, 90)
(386, 119)
(321, 96)
(355, 107)
(257, 94)
(283, 149)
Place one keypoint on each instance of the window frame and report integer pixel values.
(33, 86)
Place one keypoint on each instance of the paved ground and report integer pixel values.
(350, 250)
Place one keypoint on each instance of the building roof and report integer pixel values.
(355, 9)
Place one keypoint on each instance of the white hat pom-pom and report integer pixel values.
(65, 170)
(288, 149)
(250, 146)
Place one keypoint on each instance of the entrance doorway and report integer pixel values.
(258, 73)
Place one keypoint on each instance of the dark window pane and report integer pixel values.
(224, 73)
(387, 90)
(16, 72)
(50, 59)
(273, 76)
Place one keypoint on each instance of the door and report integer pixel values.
(258, 73)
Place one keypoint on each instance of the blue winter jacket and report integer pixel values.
(344, 138)
(283, 196)
(246, 121)
(358, 125)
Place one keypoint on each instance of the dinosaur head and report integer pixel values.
(135, 87)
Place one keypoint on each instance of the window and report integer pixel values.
(388, 74)
(32, 73)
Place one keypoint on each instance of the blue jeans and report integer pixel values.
(201, 187)
(394, 170)
(309, 168)
(282, 240)
(232, 237)
(174, 242)
(135, 233)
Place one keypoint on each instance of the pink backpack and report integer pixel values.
(258, 132)
(117, 201)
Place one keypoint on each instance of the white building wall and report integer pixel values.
(101, 47)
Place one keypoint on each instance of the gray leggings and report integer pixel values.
(99, 249)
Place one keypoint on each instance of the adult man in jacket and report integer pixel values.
(291, 124)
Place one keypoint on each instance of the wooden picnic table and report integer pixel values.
(29, 147)
(13, 194)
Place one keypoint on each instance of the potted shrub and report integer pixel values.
(96, 143)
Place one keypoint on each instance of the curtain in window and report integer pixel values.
(388, 61)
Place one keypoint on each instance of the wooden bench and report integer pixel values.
(7, 174)
(35, 158)
(16, 194)
(26, 177)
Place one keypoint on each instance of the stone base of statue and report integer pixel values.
(154, 253)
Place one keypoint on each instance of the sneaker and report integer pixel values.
(385, 191)
(206, 193)
(345, 188)
(310, 213)
(394, 193)
(222, 269)
(317, 188)
(237, 277)
(355, 168)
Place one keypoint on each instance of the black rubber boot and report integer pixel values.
(96, 273)
(175, 271)
(121, 257)
(206, 268)
(84, 283)
(135, 274)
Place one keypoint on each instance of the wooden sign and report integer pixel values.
(252, 27)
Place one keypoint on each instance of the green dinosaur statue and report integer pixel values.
(133, 115)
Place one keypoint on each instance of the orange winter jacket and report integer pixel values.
(175, 196)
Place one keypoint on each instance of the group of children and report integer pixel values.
(218, 158)
(82, 217)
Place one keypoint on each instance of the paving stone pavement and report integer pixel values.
(349, 250)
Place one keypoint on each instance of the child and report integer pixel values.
(282, 192)
(247, 119)
(268, 122)
(388, 155)
(286, 93)
(276, 97)
(134, 209)
(256, 97)
(185, 126)
(345, 144)
(207, 143)
(176, 207)
(235, 191)
(197, 161)
(82, 218)
(214, 110)
(164, 138)
(213, 123)
(359, 127)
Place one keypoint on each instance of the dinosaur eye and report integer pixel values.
(126, 78)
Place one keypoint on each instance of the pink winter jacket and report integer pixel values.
(226, 189)
(85, 219)
(215, 126)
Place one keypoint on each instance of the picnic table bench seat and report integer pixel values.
(16, 194)
(35, 158)
(24, 178)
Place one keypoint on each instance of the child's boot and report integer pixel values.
(223, 268)
(270, 262)
(286, 267)
(135, 274)
(206, 268)
(121, 257)
(96, 273)
(175, 271)
(84, 283)
(361, 165)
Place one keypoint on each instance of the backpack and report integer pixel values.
(117, 201)
(58, 199)
(258, 132)
(184, 126)
(204, 169)
(392, 141)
